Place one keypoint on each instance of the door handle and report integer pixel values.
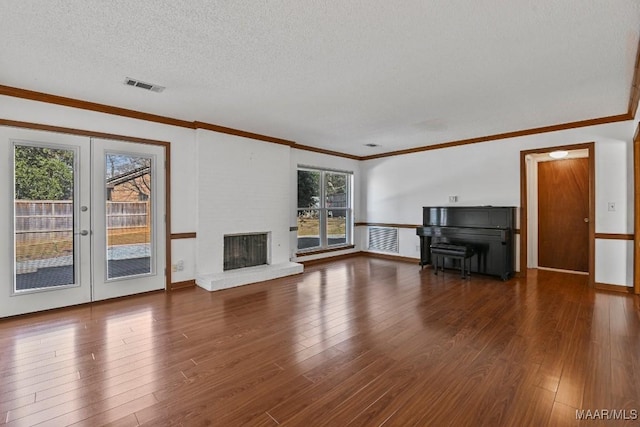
(82, 233)
(586, 220)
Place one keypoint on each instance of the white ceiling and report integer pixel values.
(333, 74)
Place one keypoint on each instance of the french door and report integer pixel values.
(86, 220)
(128, 232)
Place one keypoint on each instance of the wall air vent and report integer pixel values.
(148, 86)
(383, 239)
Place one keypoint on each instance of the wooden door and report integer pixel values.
(563, 214)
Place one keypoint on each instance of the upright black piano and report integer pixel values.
(487, 229)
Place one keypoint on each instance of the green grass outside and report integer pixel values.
(49, 248)
(310, 226)
(53, 248)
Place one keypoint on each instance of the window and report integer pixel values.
(324, 209)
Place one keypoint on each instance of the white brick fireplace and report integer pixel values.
(227, 163)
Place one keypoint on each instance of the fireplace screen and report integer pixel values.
(245, 250)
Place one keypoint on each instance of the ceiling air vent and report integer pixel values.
(148, 86)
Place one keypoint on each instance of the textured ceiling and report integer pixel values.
(334, 74)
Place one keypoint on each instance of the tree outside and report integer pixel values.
(43, 173)
(129, 176)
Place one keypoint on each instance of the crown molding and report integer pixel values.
(107, 109)
(634, 100)
(242, 133)
(80, 132)
(91, 106)
(514, 134)
(329, 152)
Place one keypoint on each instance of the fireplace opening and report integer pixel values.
(245, 250)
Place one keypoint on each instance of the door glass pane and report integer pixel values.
(308, 209)
(44, 217)
(128, 193)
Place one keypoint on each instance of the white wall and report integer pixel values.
(614, 172)
(614, 169)
(396, 188)
(243, 187)
(387, 190)
(220, 183)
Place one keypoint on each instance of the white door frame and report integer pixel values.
(524, 197)
(28, 302)
(102, 286)
(532, 197)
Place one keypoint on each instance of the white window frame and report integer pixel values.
(323, 210)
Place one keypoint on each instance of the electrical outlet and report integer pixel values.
(611, 206)
(453, 199)
(180, 265)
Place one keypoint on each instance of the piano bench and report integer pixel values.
(447, 250)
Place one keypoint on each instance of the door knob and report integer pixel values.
(586, 220)
(83, 233)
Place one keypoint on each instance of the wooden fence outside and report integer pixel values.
(54, 216)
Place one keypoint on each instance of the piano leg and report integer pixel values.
(425, 253)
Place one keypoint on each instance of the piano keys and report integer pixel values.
(487, 229)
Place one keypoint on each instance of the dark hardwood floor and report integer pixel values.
(360, 341)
